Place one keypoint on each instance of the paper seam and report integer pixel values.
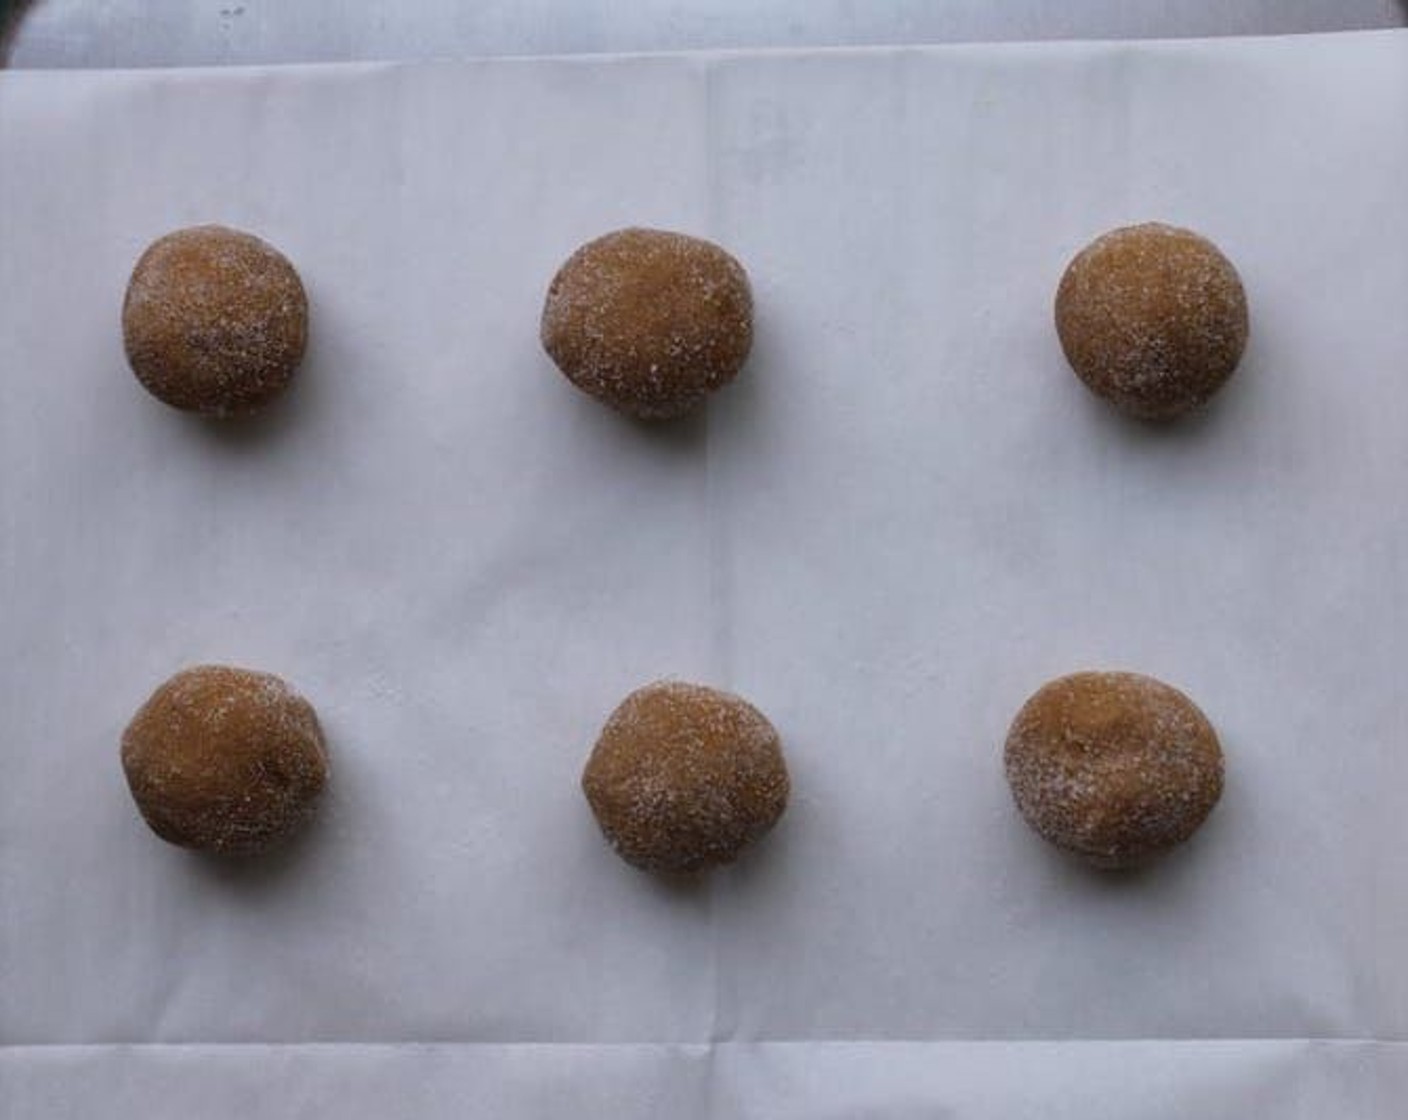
(433, 1044)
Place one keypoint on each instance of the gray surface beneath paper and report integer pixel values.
(128, 33)
(903, 518)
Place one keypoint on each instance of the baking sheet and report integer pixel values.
(56, 33)
(902, 519)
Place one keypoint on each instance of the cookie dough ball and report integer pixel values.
(215, 321)
(685, 777)
(1113, 767)
(649, 322)
(224, 760)
(1153, 319)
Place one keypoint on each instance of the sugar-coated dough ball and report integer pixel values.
(648, 321)
(685, 777)
(224, 760)
(215, 321)
(1114, 767)
(1153, 319)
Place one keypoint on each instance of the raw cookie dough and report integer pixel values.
(685, 777)
(648, 321)
(1113, 767)
(224, 760)
(1153, 319)
(215, 321)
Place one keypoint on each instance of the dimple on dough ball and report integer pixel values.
(1113, 767)
(648, 321)
(685, 777)
(1153, 319)
(215, 321)
(224, 760)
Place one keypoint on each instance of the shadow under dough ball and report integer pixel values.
(215, 321)
(1153, 319)
(685, 777)
(649, 322)
(224, 760)
(1113, 767)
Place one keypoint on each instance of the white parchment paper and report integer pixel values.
(903, 518)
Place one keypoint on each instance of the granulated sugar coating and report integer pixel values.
(1114, 767)
(685, 777)
(215, 321)
(1153, 319)
(648, 321)
(224, 760)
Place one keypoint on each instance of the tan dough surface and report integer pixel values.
(649, 321)
(215, 321)
(1153, 319)
(1114, 767)
(224, 759)
(684, 777)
